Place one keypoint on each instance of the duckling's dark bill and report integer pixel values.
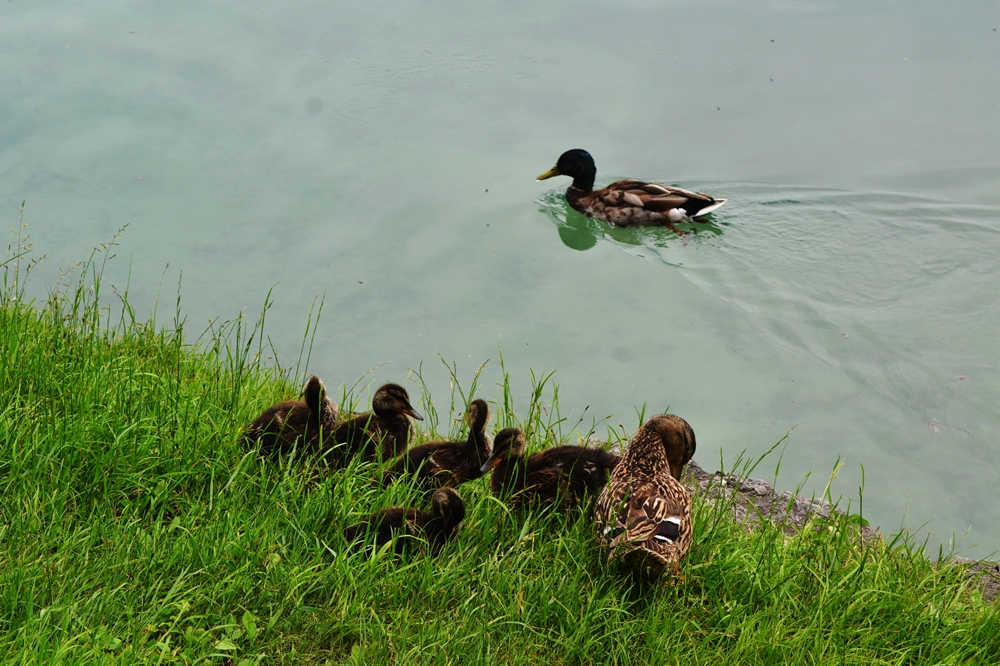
(413, 413)
(490, 463)
(554, 171)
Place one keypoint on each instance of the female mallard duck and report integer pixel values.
(627, 203)
(303, 423)
(643, 515)
(563, 473)
(449, 464)
(436, 526)
(384, 430)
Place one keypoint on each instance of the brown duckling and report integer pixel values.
(562, 473)
(385, 430)
(436, 526)
(449, 464)
(628, 203)
(643, 515)
(304, 423)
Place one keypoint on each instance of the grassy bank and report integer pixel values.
(135, 529)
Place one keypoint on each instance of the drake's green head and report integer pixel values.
(578, 165)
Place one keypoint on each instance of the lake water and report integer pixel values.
(384, 154)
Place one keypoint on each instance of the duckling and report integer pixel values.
(628, 203)
(449, 464)
(643, 515)
(384, 430)
(306, 423)
(436, 526)
(562, 473)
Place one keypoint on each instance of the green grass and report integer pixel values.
(135, 529)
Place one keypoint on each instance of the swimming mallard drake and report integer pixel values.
(436, 526)
(627, 203)
(304, 423)
(563, 473)
(449, 464)
(643, 515)
(385, 429)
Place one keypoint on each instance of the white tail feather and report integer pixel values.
(708, 209)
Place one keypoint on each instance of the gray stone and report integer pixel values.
(755, 500)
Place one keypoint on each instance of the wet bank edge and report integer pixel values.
(755, 499)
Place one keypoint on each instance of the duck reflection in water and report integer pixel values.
(579, 232)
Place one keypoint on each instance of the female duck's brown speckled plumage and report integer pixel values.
(304, 423)
(564, 474)
(643, 515)
(627, 203)
(436, 526)
(385, 429)
(449, 464)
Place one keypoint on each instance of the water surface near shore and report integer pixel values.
(384, 154)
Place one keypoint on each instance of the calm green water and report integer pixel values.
(384, 154)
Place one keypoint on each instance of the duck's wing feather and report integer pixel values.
(584, 470)
(449, 456)
(653, 515)
(655, 198)
(659, 197)
(383, 524)
(544, 484)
